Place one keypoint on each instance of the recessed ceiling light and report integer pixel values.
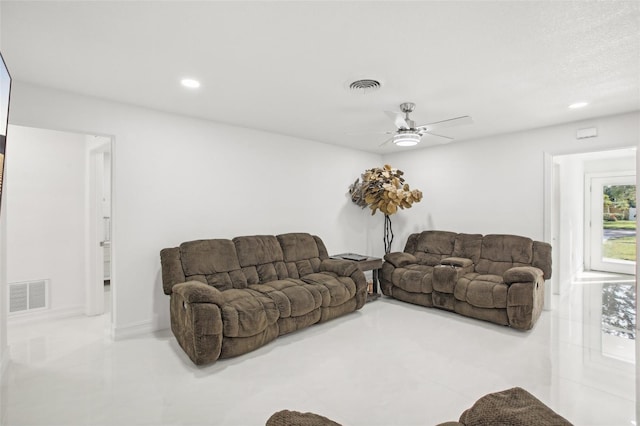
(578, 105)
(190, 83)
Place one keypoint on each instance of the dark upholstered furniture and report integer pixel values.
(229, 297)
(497, 278)
(511, 407)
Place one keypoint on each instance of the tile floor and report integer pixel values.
(390, 363)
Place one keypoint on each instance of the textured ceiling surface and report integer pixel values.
(285, 66)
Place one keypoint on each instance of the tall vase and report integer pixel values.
(388, 234)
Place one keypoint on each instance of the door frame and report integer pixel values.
(94, 253)
(593, 213)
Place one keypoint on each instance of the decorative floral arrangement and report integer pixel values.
(383, 189)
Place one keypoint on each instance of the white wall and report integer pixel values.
(177, 179)
(45, 214)
(606, 165)
(4, 347)
(496, 184)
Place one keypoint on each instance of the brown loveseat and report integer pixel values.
(229, 297)
(497, 278)
(511, 407)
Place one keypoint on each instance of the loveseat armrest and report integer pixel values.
(448, 272)
(525, 296)
(523, 274)
(400, 259)
(197, 292)
(340, 267)
(460, 262)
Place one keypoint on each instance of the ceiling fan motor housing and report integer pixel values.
(407, 107)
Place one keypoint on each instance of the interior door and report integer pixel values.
(612, 224)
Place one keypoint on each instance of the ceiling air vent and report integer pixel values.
(364, 86)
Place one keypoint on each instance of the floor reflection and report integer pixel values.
(609, 306)
(619, 310)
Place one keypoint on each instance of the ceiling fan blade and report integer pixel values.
(458, 121)
(446, 138)
(398, 119)
(368, 133)
(386, 142)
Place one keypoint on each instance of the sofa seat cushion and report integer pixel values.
(293, 297)
(246, 312)
(338, 290)
(414, 278)
(482, 291)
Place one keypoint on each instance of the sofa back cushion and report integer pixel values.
(302, 255)
(243, 261)
(542, 257)
(410, 247)
(214, 262)
(468, 246)
(433, 246)
(501, 252)
(261, 258)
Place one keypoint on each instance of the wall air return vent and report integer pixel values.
(28, 296)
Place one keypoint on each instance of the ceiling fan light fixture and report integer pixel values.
(406, 139)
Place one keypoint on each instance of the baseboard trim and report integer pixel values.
(132, 330)
(46, 315)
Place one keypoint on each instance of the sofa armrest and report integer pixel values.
(196, 320)
(460, 262)
(342, 268)
(513, 406)
(197, 292)
(349, 269)
(523, 274)
(400, 259)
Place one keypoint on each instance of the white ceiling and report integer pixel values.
(285, 66)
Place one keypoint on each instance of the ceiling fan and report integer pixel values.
(408, 134)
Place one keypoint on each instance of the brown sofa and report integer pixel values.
(497, 278)
(511, 407)
(229, 297)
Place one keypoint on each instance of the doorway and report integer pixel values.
(58, 194)
(611, 226)
(98, 243)
(569, 210)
